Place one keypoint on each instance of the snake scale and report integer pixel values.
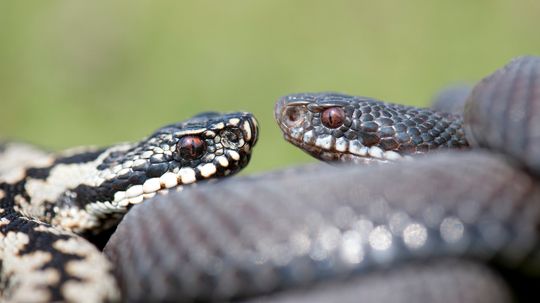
(53, 206)
(447, 226)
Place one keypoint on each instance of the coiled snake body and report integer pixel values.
(48, 201)
(444, 227)
(453, 226)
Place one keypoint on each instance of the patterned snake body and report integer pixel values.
(47, 201)
(446, 227)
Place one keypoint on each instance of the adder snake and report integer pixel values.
(51, 203)
(447, 226)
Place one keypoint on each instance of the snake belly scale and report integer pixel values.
(52, 204)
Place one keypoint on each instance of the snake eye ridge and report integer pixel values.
(333, 117)
(191, 147)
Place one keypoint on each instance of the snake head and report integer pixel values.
(206, 146)
(339, 127)
(209, 145)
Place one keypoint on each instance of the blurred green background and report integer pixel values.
(99, 72)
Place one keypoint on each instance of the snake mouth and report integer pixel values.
(355, 153)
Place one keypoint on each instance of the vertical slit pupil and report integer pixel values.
(333, 117)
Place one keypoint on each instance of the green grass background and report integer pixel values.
(99, 72)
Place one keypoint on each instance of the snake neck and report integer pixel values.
(61, 191)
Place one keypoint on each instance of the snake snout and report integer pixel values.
(251, 130)
(278, 109)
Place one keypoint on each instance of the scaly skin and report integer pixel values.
(49, 201)
(370, 130)
(262, 235)
(446, 227)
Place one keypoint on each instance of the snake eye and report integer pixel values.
(333, 117)
(190, 147)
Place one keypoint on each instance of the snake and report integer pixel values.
(338, 127)
(451, 99)
(411, 221)
(57, 210)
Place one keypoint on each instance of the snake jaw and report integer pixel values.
(363, 155)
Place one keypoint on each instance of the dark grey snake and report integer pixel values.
(51, 203)
(450, 226)
(337, 127)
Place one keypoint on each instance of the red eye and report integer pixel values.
(190, 147)
(333, 117)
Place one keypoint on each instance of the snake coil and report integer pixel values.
(445, 227)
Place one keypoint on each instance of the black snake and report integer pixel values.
(450, 226)
(51, 204)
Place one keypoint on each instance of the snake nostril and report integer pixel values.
(292, 115)
(233, 138)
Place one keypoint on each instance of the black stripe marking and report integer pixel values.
(80, 157)
(43, 173)
(42, 241)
